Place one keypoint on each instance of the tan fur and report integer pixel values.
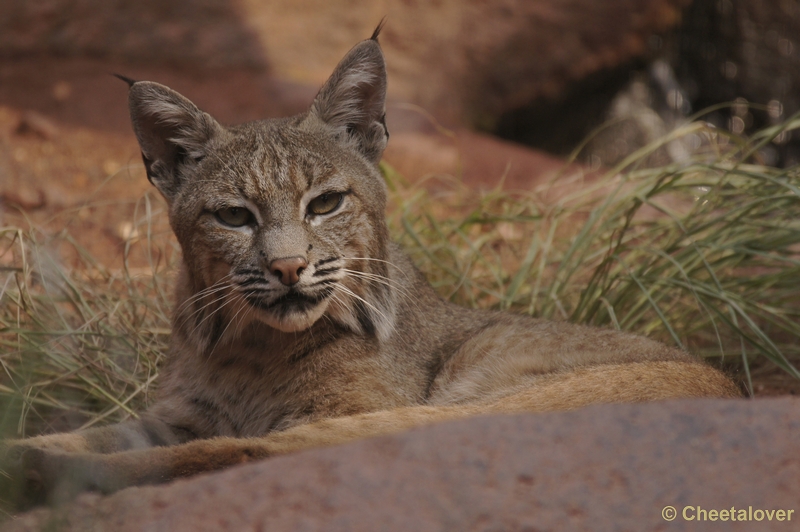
(359, 346)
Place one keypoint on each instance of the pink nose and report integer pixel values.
(288, 270)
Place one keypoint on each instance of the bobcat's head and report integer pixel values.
(280, 221)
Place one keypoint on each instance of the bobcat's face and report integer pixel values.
(280, 221)
(285, 220)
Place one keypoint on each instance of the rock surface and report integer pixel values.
(610, 467)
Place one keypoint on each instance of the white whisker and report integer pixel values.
(358, 297)
(201, 309)
(393, 265)
(391, 283)
(208, 290)
(228, 297)
(243, 307)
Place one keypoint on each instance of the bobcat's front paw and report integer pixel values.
(55, 477)
(36, 476)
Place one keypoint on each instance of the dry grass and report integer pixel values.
(704, 254)
(80, 344)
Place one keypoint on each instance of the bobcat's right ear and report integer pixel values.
(172, 133)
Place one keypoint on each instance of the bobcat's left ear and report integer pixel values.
(353, 100)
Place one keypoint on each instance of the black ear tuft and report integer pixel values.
(126, 79)
(378, 30)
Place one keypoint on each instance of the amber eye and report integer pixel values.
(325, 203)
(235, 216)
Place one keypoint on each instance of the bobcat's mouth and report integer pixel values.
(292, 301)
(293, 311)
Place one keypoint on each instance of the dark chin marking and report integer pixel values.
(291, 302)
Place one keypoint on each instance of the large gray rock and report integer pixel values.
(611, 467)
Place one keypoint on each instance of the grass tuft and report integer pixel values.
(79, 344)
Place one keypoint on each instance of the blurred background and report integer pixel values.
(517, 84)
(538, 74)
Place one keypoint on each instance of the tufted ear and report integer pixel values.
(353, 100)
(173, 133)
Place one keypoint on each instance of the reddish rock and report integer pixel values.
(610, 467)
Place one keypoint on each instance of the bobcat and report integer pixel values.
(298, 322)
